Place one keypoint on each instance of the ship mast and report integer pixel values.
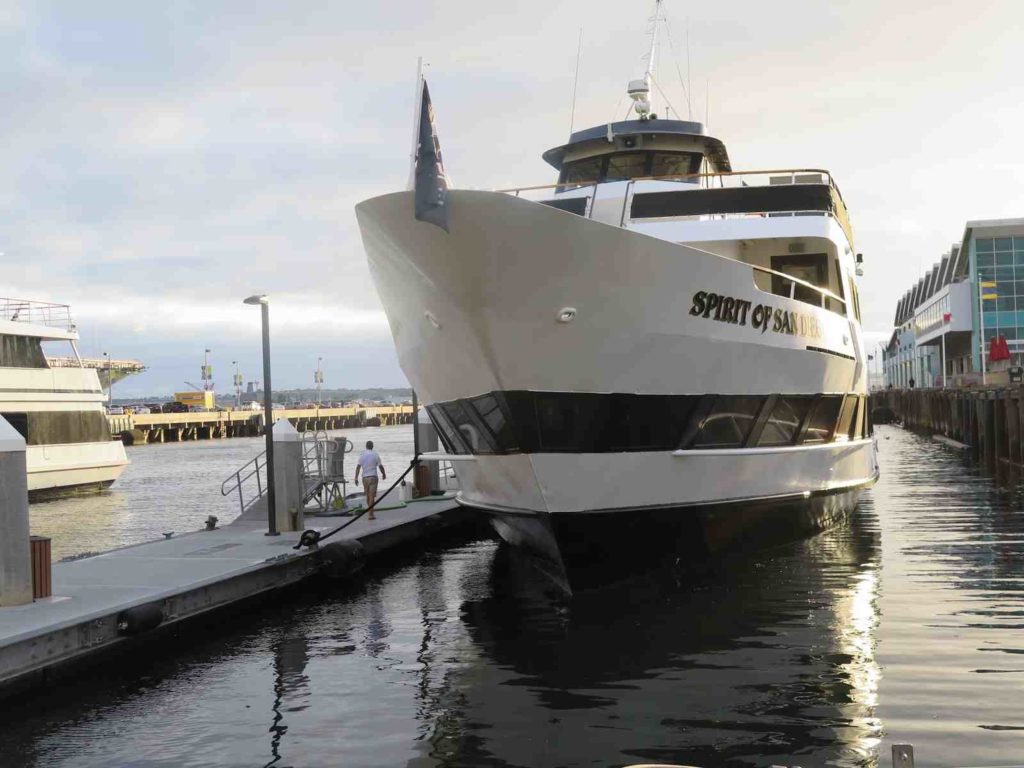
(640, 90)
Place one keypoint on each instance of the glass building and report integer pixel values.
(940, 333)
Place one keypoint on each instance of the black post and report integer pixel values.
(415, 428)
(268, 421)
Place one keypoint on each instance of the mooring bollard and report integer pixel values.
(15, 556)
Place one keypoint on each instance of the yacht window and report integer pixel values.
(582, 171)
(810, 267)
(64, 427)
(823, 419)
(785, 420)
(452, 440)
(674, 163)
(845, 429)
(475, 437)
(19, 421)
(564, 420)
(728, 423)
(645, 422)
(21, 352)
(491, 413)
(627, 165)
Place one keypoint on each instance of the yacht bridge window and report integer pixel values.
(621, 166)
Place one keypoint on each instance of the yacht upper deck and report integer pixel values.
(41, 319)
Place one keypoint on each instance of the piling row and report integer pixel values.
(989, 422)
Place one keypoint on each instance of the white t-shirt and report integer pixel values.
(368, 463)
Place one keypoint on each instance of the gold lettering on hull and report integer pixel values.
(765, 317)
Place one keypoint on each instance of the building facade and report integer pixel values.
(941, 332)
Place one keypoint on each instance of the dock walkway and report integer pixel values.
(109, 599)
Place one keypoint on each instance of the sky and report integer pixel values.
(161, 161)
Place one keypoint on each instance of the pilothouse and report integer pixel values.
(655, 353)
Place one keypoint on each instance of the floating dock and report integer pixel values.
(108, 601)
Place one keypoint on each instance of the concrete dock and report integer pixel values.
(108, 601)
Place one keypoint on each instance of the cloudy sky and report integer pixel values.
(163, 160)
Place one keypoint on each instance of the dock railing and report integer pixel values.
(241, 479)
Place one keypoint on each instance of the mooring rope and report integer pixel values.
(311, 538)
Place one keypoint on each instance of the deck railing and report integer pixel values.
(37, 313)
(708, 181)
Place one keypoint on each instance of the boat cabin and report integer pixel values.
(638, 149)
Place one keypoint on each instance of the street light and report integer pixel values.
(318, 379)
(110, 383)
(238, 385)
(268, 409)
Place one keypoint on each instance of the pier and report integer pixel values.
(111, 601)
(141, 428)
(988, 422)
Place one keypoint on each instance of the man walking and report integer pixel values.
(369, 462)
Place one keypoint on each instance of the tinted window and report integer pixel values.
(567, 422)
(645, 422)
(823, 419)
(846, 415)
(449, 437)
(474, 437)
(491, 413)
(21, 352)
(728, 423)
(674, 164)
(582, 171)
(60, 427)
(785, 420)
(627, 165)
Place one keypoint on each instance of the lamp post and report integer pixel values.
(110, 382)
(268, 409)
(318, 379)
(238, 385)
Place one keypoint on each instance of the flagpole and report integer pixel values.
(417, 111)
(981, 315)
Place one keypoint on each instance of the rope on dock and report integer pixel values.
(310, 537)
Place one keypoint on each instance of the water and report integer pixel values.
(904, 626)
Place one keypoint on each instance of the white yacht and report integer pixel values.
(59, 410)
(657, 351)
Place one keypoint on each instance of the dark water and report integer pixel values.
(907, 625)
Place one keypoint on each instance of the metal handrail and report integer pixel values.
(257, 466)
(840, 213)
(794, 281)
(36, 312)
(684, 177)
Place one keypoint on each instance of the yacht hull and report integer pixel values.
(55, 471)
(522, 297)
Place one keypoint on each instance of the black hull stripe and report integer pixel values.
(522, 421)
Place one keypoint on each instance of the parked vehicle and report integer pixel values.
(174, 408)
(140, 409)
(115, 410)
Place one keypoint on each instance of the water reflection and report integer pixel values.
(291, 686)
(765, 660)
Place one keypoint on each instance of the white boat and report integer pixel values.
(59, 410)
(657, 352)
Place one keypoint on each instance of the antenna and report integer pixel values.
(640, 90)
(575, 82)
(689, 90)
